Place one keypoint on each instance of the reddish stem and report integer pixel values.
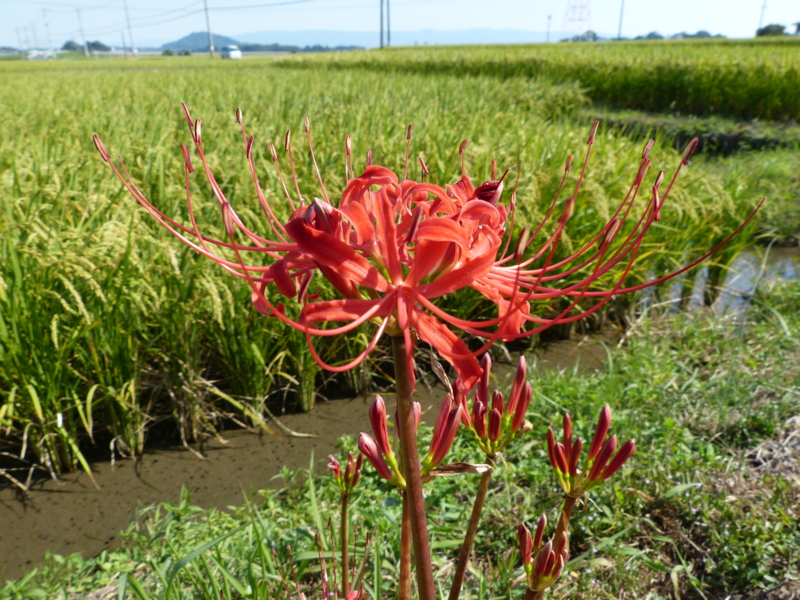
(469, 538)
(343, 535)
(408, 448)
(404, 592)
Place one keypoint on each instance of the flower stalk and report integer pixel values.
(408, 448)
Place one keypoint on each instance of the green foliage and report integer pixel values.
(693, 511)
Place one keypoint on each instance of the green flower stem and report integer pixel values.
(343, 535)
(472, 529)
(404, 591)
(408, 447)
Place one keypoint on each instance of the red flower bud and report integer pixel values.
(461, 400)
(627, 450)
(561, 458)
(514, 396)
(497, 401)
(370, 449)
(522, 406)
(574, 457)
(441, 446)
(551, 448)
(483, 386)
(479, 418)
(377, 418)
(602, 457)
(603, 423)
(545, 556)
(335, 466)
(441, 420)
(540, 526)
(495, 417)
(525, 544)
(357, 473)
(567, 424)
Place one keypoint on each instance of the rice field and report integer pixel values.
(110, 331)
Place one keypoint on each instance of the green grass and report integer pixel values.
(692, 513)
(685, 77)
(108, 323)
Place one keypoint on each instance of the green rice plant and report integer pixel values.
(113, 329)
(685, 76)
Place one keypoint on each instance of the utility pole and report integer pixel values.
(549, 18)
(47, 29)
(208, 27)
(83, 35)
(19, 39)
(381, 1)
(761, 20)
(388, 26)
(621, 11)
(33, 34)
(124, 49)
(130, 31)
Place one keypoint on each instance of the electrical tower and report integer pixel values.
(578, 16)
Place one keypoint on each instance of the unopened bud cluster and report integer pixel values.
(597, 467)
(347, 480)
(543, 564)
(495, 422)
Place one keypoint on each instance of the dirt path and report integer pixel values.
(72, 516)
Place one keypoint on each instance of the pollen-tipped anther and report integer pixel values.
(690, 148)
(101, 148)
(239, 115)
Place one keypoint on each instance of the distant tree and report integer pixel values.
(184, 53)
(71, 46)
(773, 29)
(98, 47)
(167, 52)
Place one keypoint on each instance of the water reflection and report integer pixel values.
(753, 267)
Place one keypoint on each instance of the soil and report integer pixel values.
(71, 515)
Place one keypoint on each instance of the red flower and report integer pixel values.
(391, 248)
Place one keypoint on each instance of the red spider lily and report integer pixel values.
(506, 420)
(391, 247)
(545, 567)
(565, 456)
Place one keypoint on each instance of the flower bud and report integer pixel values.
(525, 544)
(370, 449)
(440, 447)
(483, 386)
(522, 406)
(603, 423)
(101, 148)
(479, 418)
(497, 401)
(495, 418)
(540, 526)
(574, 457)
(187, 159)
(627, 450)
(377, 419)
(602, 458)
(335, 467)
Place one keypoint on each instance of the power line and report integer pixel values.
(130, 31)
(208, 27)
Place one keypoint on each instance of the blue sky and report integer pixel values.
(157, 21)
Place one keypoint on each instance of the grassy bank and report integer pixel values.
(707, 506)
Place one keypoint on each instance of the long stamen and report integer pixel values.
(287, 147)
(307, 125)
(408, 149)
(461, 151)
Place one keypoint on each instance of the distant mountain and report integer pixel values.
(198, 42)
